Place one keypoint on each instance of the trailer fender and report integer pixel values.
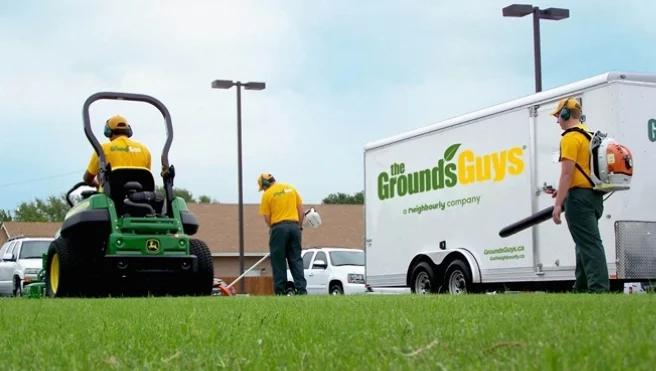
(437, 257)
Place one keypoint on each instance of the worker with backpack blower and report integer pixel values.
(583, 205)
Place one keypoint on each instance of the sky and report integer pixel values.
(338, 74)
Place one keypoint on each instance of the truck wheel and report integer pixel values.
(18, 291)
(423, 280)
(202, 282)
(336, 289)
(62, 270)
(457, 279)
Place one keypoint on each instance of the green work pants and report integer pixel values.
(285, 247)
(583, 208)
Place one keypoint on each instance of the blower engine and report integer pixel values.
(611, 162)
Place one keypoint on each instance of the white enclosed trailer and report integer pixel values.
(437, 197)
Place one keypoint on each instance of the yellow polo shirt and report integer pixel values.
(121, 151)
(575, 146)
(281, 202)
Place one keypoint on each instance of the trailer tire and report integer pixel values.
(424, 279)
(457, 278)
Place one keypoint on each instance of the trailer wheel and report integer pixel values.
(457, 279)
(423, 279)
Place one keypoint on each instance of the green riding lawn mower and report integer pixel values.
(126, 240)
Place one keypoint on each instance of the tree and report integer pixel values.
(204, 199)
(344, 199)
(54, 208)
(177, 192)
(187, 195)
(5, 216)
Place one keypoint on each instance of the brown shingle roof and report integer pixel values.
(28, 229)
(341, 225)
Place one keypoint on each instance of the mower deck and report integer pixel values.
(130, 264)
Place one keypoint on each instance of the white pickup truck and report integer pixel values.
(331, 270)
(20, 262)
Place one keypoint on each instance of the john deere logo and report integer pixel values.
(152, 246)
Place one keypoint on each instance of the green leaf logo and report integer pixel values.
(451, 151)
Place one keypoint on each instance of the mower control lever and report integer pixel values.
(68, 194)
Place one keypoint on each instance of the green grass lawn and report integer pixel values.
(373, 332)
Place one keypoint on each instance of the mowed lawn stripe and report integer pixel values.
(376, 332)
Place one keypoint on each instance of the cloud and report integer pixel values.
(161, 49)
(338, 75)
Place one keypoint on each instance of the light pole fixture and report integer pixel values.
(227, 84)
(552, 14)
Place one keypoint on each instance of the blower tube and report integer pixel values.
(528, 222)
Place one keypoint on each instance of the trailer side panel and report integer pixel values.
(459, 185)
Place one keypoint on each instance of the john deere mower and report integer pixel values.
(126, 239)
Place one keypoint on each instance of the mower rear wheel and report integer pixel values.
(202, 281)
(63, 270)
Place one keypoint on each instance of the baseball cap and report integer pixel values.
(117, 122)
(262, 178)
(572, 104)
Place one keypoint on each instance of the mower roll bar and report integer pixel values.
(168, 172)
(129, 97)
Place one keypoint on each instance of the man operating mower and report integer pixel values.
(119, 151)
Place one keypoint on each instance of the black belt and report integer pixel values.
(586, 188)
(284, 222)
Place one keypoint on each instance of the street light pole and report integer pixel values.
(240, 180)
(553, 14)
(227, 84)
(537, 50)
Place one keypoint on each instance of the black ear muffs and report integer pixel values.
(108, 131)
(266, 182)
(564, 112)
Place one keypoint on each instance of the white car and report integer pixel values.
(331, 270)
(20, 262)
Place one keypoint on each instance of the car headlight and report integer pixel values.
(31, 270)
(355, 278)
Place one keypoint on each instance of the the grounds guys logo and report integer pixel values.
(125, 149)
(467, 167)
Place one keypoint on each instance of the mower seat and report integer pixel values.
(133, 192)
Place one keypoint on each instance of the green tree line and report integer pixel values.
(54, 208)
(340, 198)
